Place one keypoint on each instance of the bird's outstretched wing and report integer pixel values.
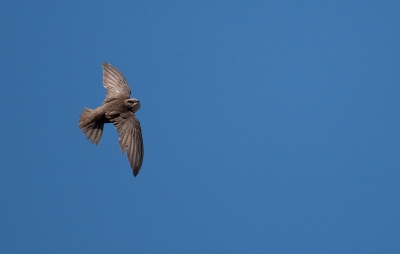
(115, 83)
(130, 137)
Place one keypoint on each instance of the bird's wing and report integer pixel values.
(130, 137)
(115, 83)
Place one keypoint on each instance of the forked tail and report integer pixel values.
(92, 129)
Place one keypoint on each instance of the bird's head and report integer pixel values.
(133, 104)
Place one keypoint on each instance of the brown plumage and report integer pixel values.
(118, 108)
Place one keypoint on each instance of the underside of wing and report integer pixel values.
(130, 137)
(115, 83)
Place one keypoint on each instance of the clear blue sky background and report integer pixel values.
(269, 127)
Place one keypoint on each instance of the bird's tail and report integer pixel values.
(92, 129)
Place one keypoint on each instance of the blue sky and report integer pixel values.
(268, 127)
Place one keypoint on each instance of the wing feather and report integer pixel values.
(130, 138)
(115, 83)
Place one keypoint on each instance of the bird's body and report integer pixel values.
(99, 114)
(118, 108)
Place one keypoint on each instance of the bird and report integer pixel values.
(119, 109)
